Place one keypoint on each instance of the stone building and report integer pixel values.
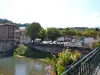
(7, 35)
(21, 37)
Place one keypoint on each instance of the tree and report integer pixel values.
(90, 33)
(98, 33)
(53, 33)
(33, 30)
(68, 32)
(96, 29)
(42, 34)
(79, 33)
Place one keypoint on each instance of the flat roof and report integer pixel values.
(6, 24)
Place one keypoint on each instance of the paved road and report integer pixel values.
(97, 70)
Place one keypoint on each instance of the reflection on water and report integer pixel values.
(20, 70)
(22, 66)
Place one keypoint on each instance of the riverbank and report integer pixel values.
(31, 53)
(19, 56)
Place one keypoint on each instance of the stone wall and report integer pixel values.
(5, 45)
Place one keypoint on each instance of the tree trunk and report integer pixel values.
(33, 40)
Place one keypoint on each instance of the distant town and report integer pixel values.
(13, 33)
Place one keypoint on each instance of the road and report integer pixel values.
(97, 70)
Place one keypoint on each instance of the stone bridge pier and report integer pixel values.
(5, 46)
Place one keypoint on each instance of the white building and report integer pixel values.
(21, 37)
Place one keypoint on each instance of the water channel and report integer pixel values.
(22, 66)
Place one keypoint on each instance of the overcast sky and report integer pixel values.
(52, 13)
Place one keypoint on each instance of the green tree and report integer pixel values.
(98, 33)
(33, 30)
(53, 33)
(42, 34)
(78, 33)
(68, 32)
(90, 33)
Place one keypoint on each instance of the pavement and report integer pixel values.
(97, 70)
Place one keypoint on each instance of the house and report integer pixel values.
(80, 28)
(7, 36)
(21, 36)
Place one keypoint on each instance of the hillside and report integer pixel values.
(17, 24)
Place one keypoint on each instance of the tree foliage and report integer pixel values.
(96, 44)
(64, 60)
(68, 32)
(33, 30)
(42, 34)
(53, 33)
(20, 50)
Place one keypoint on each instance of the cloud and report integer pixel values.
(50, 13)
(79, 18)
(95, 14)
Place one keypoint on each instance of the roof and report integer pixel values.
(21, 29)
(7, 24)
(63, 39)
(86, 46)
(17, 30)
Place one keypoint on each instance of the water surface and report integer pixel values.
(22, 66)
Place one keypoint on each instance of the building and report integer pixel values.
(80, 28)
(21, 37)
(61, 28)
(17, 36)
(7, 32)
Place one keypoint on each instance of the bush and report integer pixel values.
(1, 74)
(20, 50)
(64, 60)
(96, 44)
(31, 52)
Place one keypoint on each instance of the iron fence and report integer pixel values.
(86, 65)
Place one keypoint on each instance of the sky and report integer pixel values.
(52, 13)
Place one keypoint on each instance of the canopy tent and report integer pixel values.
(62, 39)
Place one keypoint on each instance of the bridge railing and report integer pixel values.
(86, 65)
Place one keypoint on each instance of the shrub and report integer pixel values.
(20, 50)
(64, 60)
(31, 52)
(96, 44)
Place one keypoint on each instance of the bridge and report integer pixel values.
(54, 47)
(7, 53)
(88, 65)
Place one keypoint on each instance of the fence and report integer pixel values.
(86, 65)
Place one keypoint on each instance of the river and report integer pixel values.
(22, 66)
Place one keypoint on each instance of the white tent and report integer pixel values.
(63, 39)
(89, 40)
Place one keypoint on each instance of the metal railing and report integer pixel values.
(86, 65)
